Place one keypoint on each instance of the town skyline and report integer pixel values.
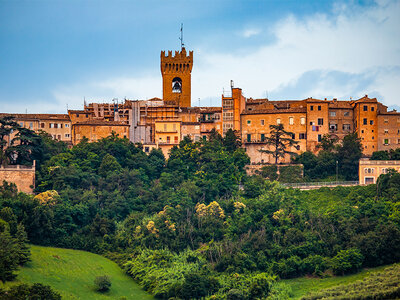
(63, 53)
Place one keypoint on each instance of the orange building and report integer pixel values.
(95, 130)
(370, 170)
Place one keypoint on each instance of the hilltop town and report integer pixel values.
(163, 123)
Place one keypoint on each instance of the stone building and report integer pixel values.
(370, 170)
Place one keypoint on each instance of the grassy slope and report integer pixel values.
(72, 273)
(301, 286)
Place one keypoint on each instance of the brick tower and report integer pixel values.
(176, 72)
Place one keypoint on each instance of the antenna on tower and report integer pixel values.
(181, 38)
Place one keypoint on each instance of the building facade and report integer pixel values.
(370, 170)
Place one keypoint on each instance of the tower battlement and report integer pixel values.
(176, 71)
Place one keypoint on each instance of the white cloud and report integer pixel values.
(357, 44)
(250, 32)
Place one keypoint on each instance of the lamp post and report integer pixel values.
(337, 170)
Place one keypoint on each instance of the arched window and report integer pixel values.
(177, 85)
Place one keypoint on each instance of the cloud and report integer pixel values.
(250, 32)
(348, 52)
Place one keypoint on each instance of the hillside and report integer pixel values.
(72, 272)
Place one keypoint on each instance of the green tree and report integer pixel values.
(279, 140)
(25, 147)
(232, 140)
(7, 125)
(8, 256)
(328, 142)
(23, 249)
(349, 153)
(29, 292)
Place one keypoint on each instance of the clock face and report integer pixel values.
(177, 85)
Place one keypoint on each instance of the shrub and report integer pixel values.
(270, 172)
(347, 261)
(102, 283)
(25, 291)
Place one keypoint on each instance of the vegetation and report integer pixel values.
(71, 273)
(333, 156)
(102, 283)
(280, 141)
(386, 155)
(380, 285)
(29, 292)
(182, 227)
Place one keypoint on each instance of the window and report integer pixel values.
(320, 121)
(372, 108)
(176, 140)
(293, 136)
(177, 85)
(386, 121)
(168, 139)
(319, 137)
(302, 136)
(346, 114)
(41, 125)
(386, 131)
(291, 121)
(332, 113)
(384, 171)
(365, 108)
(398, 141)
(332, 127)
(55, 125)
(59, 137)
(311, 107)
(248, 138)
(66, 125)
(278, 121)
(319, 107)
(315, 128)
(365, 121)
(51, 125)
(371, 122)
(262, 122)
(362, 131)
(146, 149)
(67, 135)
(302, 121)
(386, 142)
(31, 125)
(248, 122)
(262, 137)
(87, 116)
(346, 127)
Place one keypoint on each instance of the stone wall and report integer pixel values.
(22, 176)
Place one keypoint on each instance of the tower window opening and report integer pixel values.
(177, 85)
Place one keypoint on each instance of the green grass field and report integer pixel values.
(72, 273)
(301, 286)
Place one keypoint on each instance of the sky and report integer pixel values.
(55, 54)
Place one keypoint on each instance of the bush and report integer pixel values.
(26, 292)
(347, 261)
(269, 172)
(102, 283)
(290, 173)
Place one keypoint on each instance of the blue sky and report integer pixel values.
(54, 53)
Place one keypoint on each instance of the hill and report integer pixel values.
(72, 273)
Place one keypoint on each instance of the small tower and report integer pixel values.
(176, 72)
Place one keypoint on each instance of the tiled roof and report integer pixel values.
(257, 111)
(101, 123)
(38, 116)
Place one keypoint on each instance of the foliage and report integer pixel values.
(29, 292)
(280, 141)
(380, 285)
(392, 154)
(102, 283)
(347, 261)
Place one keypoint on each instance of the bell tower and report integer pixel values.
(176, 72)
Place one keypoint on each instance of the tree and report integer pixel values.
(7, 125)
(328, 142)
(232, 140)
(25, 147)
(8, 256)
(23, 249)
(279, 140)
(102, 283)
(349, 153)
